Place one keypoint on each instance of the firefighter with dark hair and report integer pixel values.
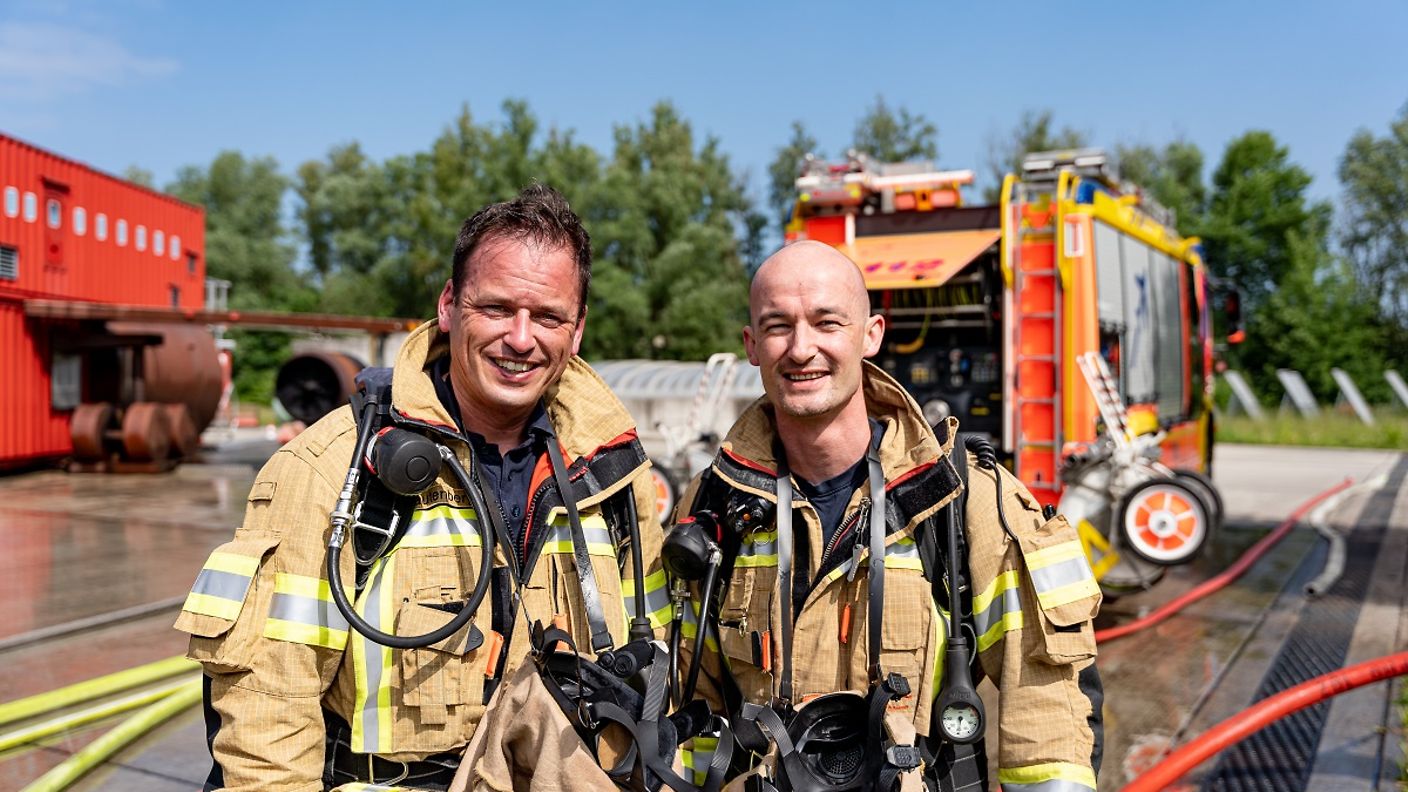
(495, 482)
(867, 586)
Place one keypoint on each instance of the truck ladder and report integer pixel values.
(1036, 345)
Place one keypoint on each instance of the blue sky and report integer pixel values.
(160, 84)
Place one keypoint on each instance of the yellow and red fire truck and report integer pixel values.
(990, 307)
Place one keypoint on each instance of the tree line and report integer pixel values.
(676, 232)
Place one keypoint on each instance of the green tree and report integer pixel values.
(1318, 319)
(1173, 176)
(381, 236)
(785, 168)
(1374, 172)
(1035, 131)
(895, 135)
(1258, 201)
(139, 175)
(668, 281)
(248, 244)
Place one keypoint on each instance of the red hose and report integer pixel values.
(1233, 572)
(1243, 724)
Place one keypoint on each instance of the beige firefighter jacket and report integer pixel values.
(1034, 600)
(277, 650)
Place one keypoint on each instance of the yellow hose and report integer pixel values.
(93, 688)
(73, 720)
(98, 751)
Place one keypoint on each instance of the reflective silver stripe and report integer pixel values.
(599, 542)
(442, 525)
(1055, 785)
(903, 554)
(225, 585)
(1061, 574)
(372, 713)
(306, 610)
(657, 598)
(1005, 602)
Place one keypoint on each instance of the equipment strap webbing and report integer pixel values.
(877, 562)
(784, 576)
(591, 595)
(876, 576)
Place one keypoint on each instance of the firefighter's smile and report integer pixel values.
(803, 376)
(513, 369)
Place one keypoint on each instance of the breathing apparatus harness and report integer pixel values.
(592, 693)
(817, 743)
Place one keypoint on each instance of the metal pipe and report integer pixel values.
(93, 688)
(98, 751)
(91, 622)
(1257, 717)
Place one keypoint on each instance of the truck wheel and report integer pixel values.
(1164, 521)
(666, 491)
(1203, 486)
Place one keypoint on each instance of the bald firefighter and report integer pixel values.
(834, 464)
(306, 692)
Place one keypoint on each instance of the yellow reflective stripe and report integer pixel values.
(657, 598)
(208, 605)
(1010, 621)
(756, 561)
(371, 712)
(594, 530)
(1002, 582)
(233, 563)
(698, 756)
(303, 612)
(689, 627)
(1051, 776)
(940, 618)
(310, 634)
(1061, 574)
(1070, 592)
(442, 526)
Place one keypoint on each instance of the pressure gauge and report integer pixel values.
(961, 722)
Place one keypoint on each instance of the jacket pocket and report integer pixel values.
(217, 601)
(449, 672)
(1066, 591)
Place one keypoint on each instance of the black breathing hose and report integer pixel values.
(640, 625)
(987, 460)
(711, 578)
(481, 585)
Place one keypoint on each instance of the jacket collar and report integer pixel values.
(918, 475)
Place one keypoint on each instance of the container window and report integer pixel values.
(12, 202)
(100, 227)
(175, 247)
(141, 240)
(66, 386)
(31, 207)
(191, 263)
(9, 263)
(175, 296)
(53, 213)
(80, 220)
(159, 243)
(122, 233)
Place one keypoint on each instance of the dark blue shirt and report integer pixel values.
(509, 474)
(830, 499)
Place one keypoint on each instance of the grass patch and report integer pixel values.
(1331, 429)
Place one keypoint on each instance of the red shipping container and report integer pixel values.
(68, 231)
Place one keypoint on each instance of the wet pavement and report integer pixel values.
(84, 546)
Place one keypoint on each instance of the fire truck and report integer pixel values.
(1069, 324)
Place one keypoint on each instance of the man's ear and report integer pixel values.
(445, 306)
(750, 345)
(874, 334)
(577, 334)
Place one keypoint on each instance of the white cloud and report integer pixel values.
(41, 61)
